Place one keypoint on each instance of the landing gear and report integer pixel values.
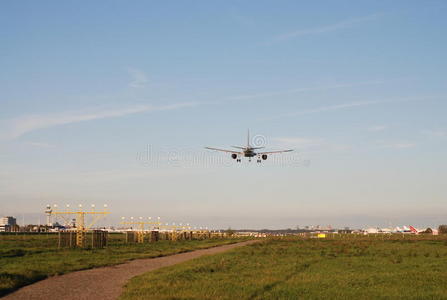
(238, 160)
(258, 161)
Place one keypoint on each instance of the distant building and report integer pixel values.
(7, 224)
(8, 221)
(48, 212)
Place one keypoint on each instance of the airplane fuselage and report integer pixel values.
(249, 153)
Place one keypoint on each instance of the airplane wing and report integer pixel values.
(223, 150)
(273, 152)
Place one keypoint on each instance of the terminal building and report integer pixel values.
(8, 224)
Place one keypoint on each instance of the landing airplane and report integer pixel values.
(248, 151)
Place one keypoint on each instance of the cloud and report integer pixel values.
(327, 28)
(435, 133)
(300, 142)
(326, 108)
(301, 90)
(39, 144)
(308, 144)
(17, 127)
(377, 128)
(139, 78)
(397, 145)
(349, 105)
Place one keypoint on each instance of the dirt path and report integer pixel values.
(106, 282)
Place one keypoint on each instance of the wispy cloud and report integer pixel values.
(308, 144)
(397, 145)
(39, 144)
(377, 128)
(349, 105)
(17, 127)
(435, 133)
(327, 28)
(326, 108)
(139, 78)
(300, 142)
(302, 90)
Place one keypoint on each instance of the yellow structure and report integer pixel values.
(81, 226)
(176, 229)
(321, 235)
(141, 223)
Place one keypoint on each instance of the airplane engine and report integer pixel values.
(233, 156)
(264, 156)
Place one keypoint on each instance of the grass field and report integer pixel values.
(306, 269)
(25, 259)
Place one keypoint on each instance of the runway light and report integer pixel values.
(68, 205)
(80, 205)
(141, 218)
(122, 218)
(93, 205)
(55, 205)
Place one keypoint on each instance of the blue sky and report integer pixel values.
(357, 89)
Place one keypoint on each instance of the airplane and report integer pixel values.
(398, 229)
(415, 230)
(248, 151)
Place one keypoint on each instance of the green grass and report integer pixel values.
(25, 259)
(306, 269)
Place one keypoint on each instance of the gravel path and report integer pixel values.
(106, 282)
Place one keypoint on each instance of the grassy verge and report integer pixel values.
(305, 269)
(25, 259)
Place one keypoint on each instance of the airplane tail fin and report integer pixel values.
(412, 229)
(248, 138)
